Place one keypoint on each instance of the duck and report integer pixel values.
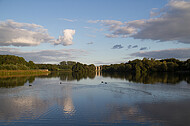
(102, 82)
(105, 82)
(30, 84)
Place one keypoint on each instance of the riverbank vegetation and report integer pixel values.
(149, 65)
(11, 73)
(11, 62)
(68, 66)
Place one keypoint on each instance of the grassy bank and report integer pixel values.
(22, 72)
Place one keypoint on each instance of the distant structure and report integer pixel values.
(98, 70)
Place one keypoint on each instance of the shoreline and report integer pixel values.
(23, 72)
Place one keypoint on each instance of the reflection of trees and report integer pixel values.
(10, 82)
(15, 81)
(70, 76)
(151, 78)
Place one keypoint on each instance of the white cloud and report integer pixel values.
(111, 35)
(67, 37)
(69, 20)
(66, 19)
(45, 56)
(170, 23)
(25, 34)
(183, 53)
(22, 34)
(117, 28)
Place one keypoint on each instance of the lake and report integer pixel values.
(95, 99)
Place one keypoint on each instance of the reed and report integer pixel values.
(23, 72)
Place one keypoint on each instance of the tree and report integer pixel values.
(128, 67)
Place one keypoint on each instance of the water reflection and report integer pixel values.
(167, 113)
(15, 108)
(171, 113)
(151, 78)
(10, 82)
(75, 102)
(36, 103)
(146, 78)
(71, 76)
(171, 78)
(119, 113)
(68, 103)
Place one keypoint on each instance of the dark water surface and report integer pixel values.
(82, 99)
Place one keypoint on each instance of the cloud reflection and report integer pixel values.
(69, 108)
(36, 102)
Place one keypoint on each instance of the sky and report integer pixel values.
(95, 31)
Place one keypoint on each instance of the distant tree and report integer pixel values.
(128, 67)
(149, 65)
(172, 66)
(63, 63)
(32, 65)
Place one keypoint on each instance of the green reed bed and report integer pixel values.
(22, 72)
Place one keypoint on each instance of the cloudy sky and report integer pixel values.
(95, 31)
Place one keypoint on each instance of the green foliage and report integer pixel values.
(32, 65)
(10, 62)
(10, 59)
(13, 67)
(149, 65)
(79, 67)
(66, 65)
(50, 67)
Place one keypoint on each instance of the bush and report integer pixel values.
(13, 67)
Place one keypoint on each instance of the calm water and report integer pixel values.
(82, 99)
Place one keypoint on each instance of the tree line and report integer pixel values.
(149, 65)
(11, 62)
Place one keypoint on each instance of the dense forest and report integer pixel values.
(149, 65)
(11, 62)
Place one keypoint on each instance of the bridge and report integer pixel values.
(98, 68)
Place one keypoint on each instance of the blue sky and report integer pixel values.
(95, 31)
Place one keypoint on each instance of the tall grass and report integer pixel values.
(22, 72)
